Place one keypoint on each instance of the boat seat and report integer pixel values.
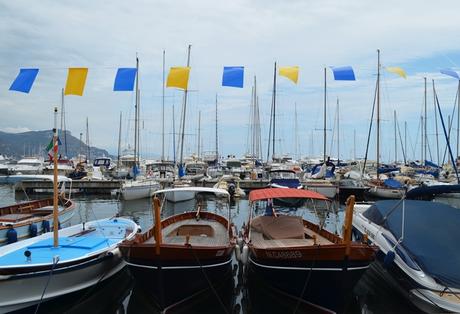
(281, 227)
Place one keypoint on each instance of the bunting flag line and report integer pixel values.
(233, 76)
(76, 79)
(178, 77)
(291, 72)
(397, 70)
(343, 73)
(24, 80)
(124, 80)
(451, 73)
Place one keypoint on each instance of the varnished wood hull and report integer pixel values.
(178, 271)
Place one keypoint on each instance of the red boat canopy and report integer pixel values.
(264, 194)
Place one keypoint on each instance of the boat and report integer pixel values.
(298, 257)
(349, 187)
(388, 188)
(32, 218)
(194, 247)
(137, 189)
(33, 270)
(231, 184)
(28, 165)
(65, 260)
(418, 249)
(180, 192)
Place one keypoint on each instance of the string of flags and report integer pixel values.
(178, 77)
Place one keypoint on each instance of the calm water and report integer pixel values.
(121, 295)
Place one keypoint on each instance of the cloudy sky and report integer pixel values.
(419, 36)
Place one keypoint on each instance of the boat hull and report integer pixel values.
(382, 192)
(330, 191)
(179, 196)
(162, 280)
(327, 284)
(138, 192)
(25, 290)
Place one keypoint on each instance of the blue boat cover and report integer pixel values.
(431, 164)
(430, 237)
(392, 183)
(431, 191)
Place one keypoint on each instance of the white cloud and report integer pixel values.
(104, 35)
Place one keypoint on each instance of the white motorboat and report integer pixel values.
(418, 249)
(137, 189)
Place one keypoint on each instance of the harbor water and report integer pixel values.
(120, 294)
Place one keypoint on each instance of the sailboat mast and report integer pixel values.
(136, 109)
(424, 131)
(338, 133)
(378, 112)
(436, 124)
(55, 178)
(119, 144)
(217, 137)
(296, 135)
(88, 148)
(163, 112)
(174, 133)
(63, 124)
(199, 134)
(183, 114)
(396, 138)
(274, 111)
(458, 119)
(324, 121)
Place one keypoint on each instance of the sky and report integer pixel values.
(420, 37)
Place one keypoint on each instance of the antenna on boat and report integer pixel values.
(324, 122)
(55, 177)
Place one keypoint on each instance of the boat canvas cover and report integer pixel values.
(264, 194)
(431, 234)
(280, 227)
(392, 183)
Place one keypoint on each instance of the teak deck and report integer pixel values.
(202, 232)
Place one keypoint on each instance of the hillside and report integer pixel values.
(17, 145)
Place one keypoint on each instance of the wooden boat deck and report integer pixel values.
(258, 240)
(201, 232)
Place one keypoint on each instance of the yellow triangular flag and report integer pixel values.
(178, 77)
(397, 70)
(76, 79)
(291, 73)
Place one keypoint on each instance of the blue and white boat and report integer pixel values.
(418, 249)
(34, 270)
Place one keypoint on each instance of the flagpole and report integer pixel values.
(55, 177)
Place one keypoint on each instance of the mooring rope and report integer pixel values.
(55, 262)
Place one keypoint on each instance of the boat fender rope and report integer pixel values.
(305, 285)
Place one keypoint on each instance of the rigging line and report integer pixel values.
(304, 288)
(370, 129)
(207, 279)
(451, 126)
(55, 262)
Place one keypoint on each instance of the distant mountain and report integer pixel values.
(17, 145)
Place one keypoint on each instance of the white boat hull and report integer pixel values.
(381, 192)
(138, 192)
(179, 196)
(18, 293)
(330, 191)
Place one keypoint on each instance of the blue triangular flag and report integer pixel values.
(344, 73)
(24, 80)
(450, 73)
(124, 81)
(233, 76)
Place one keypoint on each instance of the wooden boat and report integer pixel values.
(300, 258)
(28, 219)
(182, 254)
